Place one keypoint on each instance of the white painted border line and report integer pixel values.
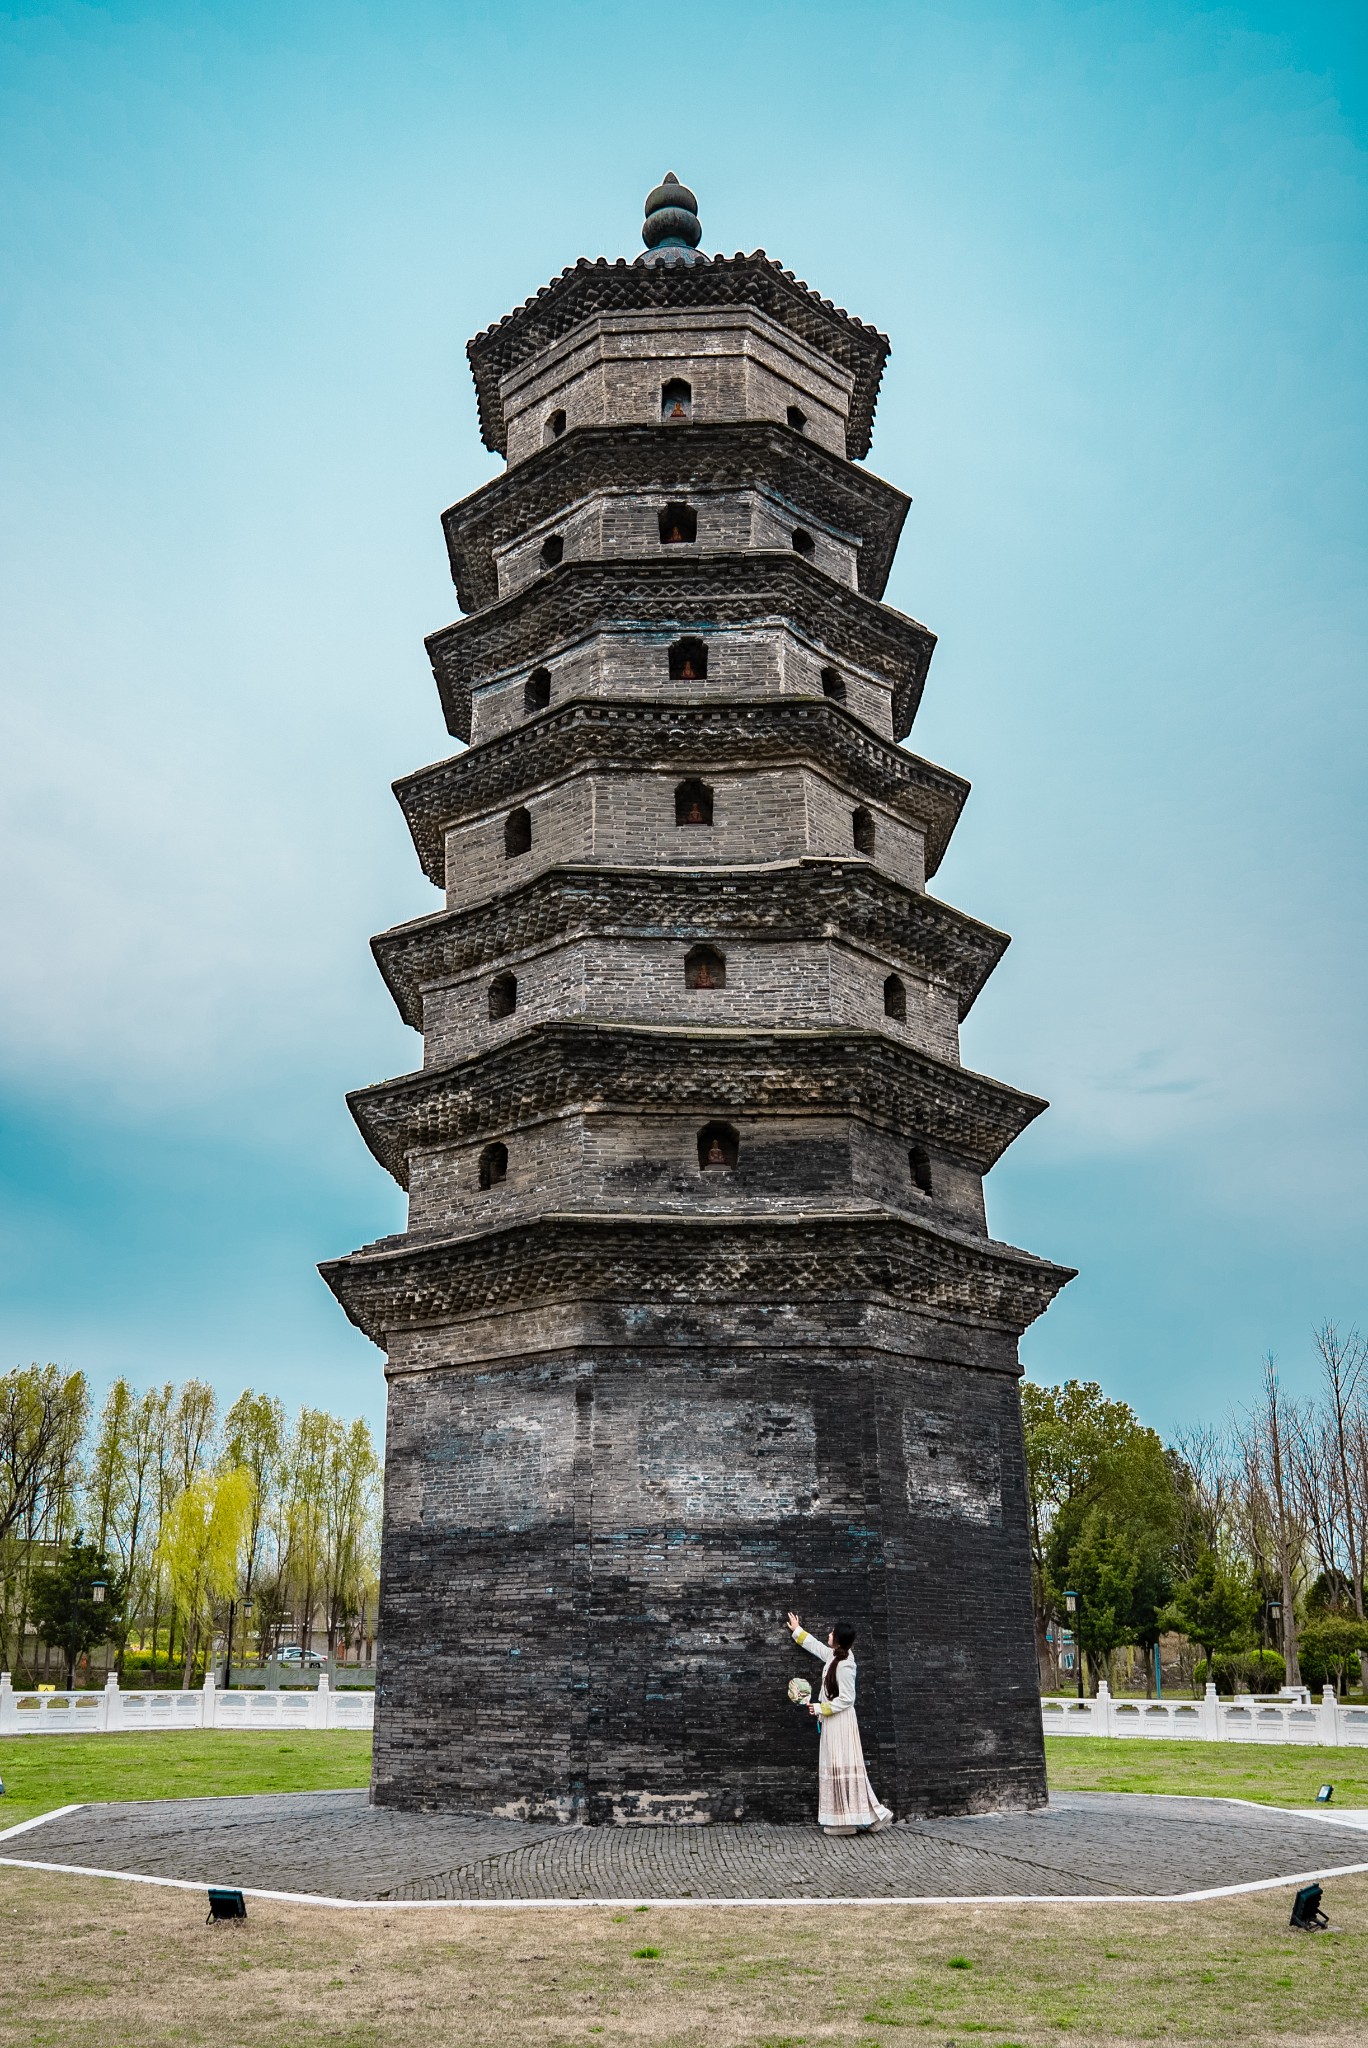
(189, 1884)
(22, 1827)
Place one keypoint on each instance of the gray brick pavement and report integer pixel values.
(333, 1844)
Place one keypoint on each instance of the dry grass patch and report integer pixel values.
(91, 1960)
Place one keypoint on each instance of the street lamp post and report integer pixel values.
(96, 1590)
(1071, 1606)
(232, 1616)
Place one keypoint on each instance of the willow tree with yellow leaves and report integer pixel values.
(203, 1543)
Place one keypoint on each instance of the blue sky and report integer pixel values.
(1120, 252)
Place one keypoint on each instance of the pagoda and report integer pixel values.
(696, 1318)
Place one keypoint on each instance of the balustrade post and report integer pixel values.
(109, 1701)
(1102, 1708)
(1210, 1713)
(8, 1712)
(210, 1702)
(1328, 1732)
(323, 1697)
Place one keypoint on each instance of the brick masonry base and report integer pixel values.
(589, 1554)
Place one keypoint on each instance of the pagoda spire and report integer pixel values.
(671, 230)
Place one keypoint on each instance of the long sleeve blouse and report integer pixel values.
(845, 1675)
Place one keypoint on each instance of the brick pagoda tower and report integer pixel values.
(696, 1318)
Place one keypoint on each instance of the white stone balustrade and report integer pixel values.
(1324, 1722)
(1327, 1721)
(115, 1711)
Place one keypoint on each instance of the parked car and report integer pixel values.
(307, 1660)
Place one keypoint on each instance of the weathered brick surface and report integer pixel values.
(614, 1160)
(627, 819)
(771, 983)
(548, 1068)
(626, 525)
(754, 912)
(771, 622)
(644, 1258)
(647, 1392)
(643, 468)
(619, 1537)
(586, 291)
(728, 735)
(739, 365)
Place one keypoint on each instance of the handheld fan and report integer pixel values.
(799, 1691)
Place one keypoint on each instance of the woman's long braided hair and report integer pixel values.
(831, 1684)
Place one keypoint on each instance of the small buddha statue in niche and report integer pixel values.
(704, 979)
(694, 814)
(716, 1156)
(687, 672)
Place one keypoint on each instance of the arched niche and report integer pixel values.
(705, 967)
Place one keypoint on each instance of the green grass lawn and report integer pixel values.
(1273, 1775)
(43, 1771)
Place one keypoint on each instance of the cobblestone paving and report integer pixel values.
(332, 1844)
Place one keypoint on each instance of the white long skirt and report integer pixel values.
(845, 1797)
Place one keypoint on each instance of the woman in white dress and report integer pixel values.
(845, 1798)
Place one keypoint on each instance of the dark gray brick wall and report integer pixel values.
(602, 1160)
(588, 1558)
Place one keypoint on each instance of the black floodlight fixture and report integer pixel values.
(2, 1788)
(226, 1905)
(1325, 1795)
(1306, 1910)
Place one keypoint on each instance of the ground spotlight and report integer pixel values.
(1306, 1912)
(1325, 1795)
(226, 1905)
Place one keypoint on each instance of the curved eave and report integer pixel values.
(662, 598)
(672, 460)
(653, 733)
(411, 1283)
(588, 288)
(792, 900)
(653, 1068)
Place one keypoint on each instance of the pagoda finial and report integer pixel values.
(671, 229)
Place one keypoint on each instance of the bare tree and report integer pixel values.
(1276, 1530)
(1344, 1362)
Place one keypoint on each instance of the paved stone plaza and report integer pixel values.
(335, 1845)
